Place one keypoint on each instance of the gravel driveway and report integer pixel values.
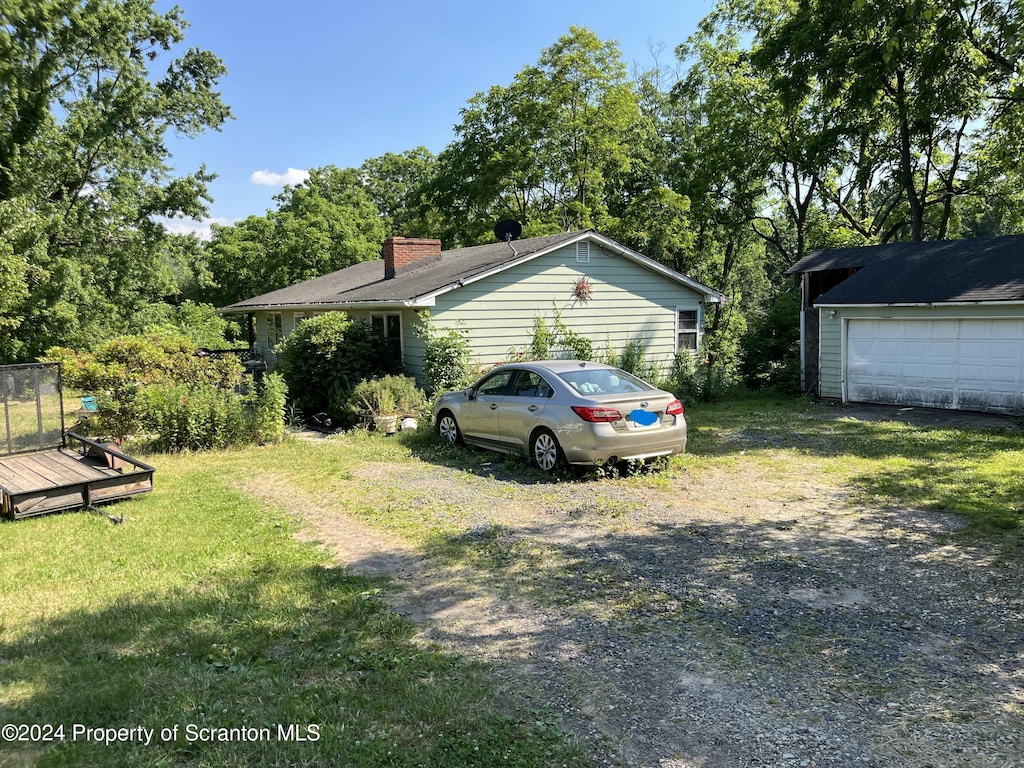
(740, 616)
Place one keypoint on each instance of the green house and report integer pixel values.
(595, 286)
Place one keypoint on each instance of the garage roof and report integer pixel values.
(978, 270)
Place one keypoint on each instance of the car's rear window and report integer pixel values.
(604, 381)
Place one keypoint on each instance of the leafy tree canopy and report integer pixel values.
(544, 149)
(322, 225)
(88, 92)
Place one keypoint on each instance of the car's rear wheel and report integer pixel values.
(448, 428)
(545, 452)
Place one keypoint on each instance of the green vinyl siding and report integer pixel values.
(830, 355)
(628, 303)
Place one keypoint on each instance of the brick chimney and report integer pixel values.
(403, 253)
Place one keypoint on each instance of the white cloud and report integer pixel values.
(292, 176)
(199, 228)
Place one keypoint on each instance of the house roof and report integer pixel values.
(363, 284)
(945, 271)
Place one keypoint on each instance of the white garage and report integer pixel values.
(965, 363)
(936, 324)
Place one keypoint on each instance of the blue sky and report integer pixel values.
(318, 82)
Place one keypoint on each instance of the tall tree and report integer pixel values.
(84, 112)
(917, 85)
(397, 185)
(324, 224)
(543, 149)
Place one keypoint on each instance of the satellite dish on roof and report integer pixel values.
(508, 230)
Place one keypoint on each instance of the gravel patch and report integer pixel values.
(730, 617)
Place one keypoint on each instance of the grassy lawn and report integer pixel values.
(203, 624)
(202, 613)
(971, 472)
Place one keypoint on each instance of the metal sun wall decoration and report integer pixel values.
(582, 289)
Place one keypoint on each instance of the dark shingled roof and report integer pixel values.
(983, 269)
(364, 283)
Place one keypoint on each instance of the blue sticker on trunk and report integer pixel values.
(643, 418)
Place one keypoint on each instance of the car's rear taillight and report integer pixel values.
(675, 408)
(596, 414)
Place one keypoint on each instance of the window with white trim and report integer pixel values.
(389, 326)
(582, 253)
(687, 330)
(274, 328)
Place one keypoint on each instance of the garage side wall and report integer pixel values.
(830, 354)
(627, 303)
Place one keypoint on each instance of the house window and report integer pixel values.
(687, 329)
(582, 253)
(390, 327)
(275, 329)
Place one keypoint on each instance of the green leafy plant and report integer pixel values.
(540, 346)
(156, 386)
(267, 402)
(181, 417)
(446, 357)
(387, 396)
(580, 346)
(324, 359)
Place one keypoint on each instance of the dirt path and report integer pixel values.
(739, 617)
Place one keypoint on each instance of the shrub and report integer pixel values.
(159, 386)
(324, 359)
(771, 350)
(700, 378)
(182, 417)
(267, 402)
(559, 342)
(446, 359)
(579, 346)
(386, 396)
(634, 360)
(540, 345)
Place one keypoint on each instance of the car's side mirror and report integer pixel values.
(469, 392)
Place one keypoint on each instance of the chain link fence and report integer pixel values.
(33, 407)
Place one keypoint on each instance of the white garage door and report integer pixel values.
(973, 365)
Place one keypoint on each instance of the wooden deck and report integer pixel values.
(79, 476)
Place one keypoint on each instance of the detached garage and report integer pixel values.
(937, 324)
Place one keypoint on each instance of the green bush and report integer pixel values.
(324, 359)
(446, 358)
(201, 324)
(700, 378)
(158, 386)
(182, 417)
(540, 345)
(634, 360)
(387, 396)
(771, 350)
(557, 342)
(267, 402)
